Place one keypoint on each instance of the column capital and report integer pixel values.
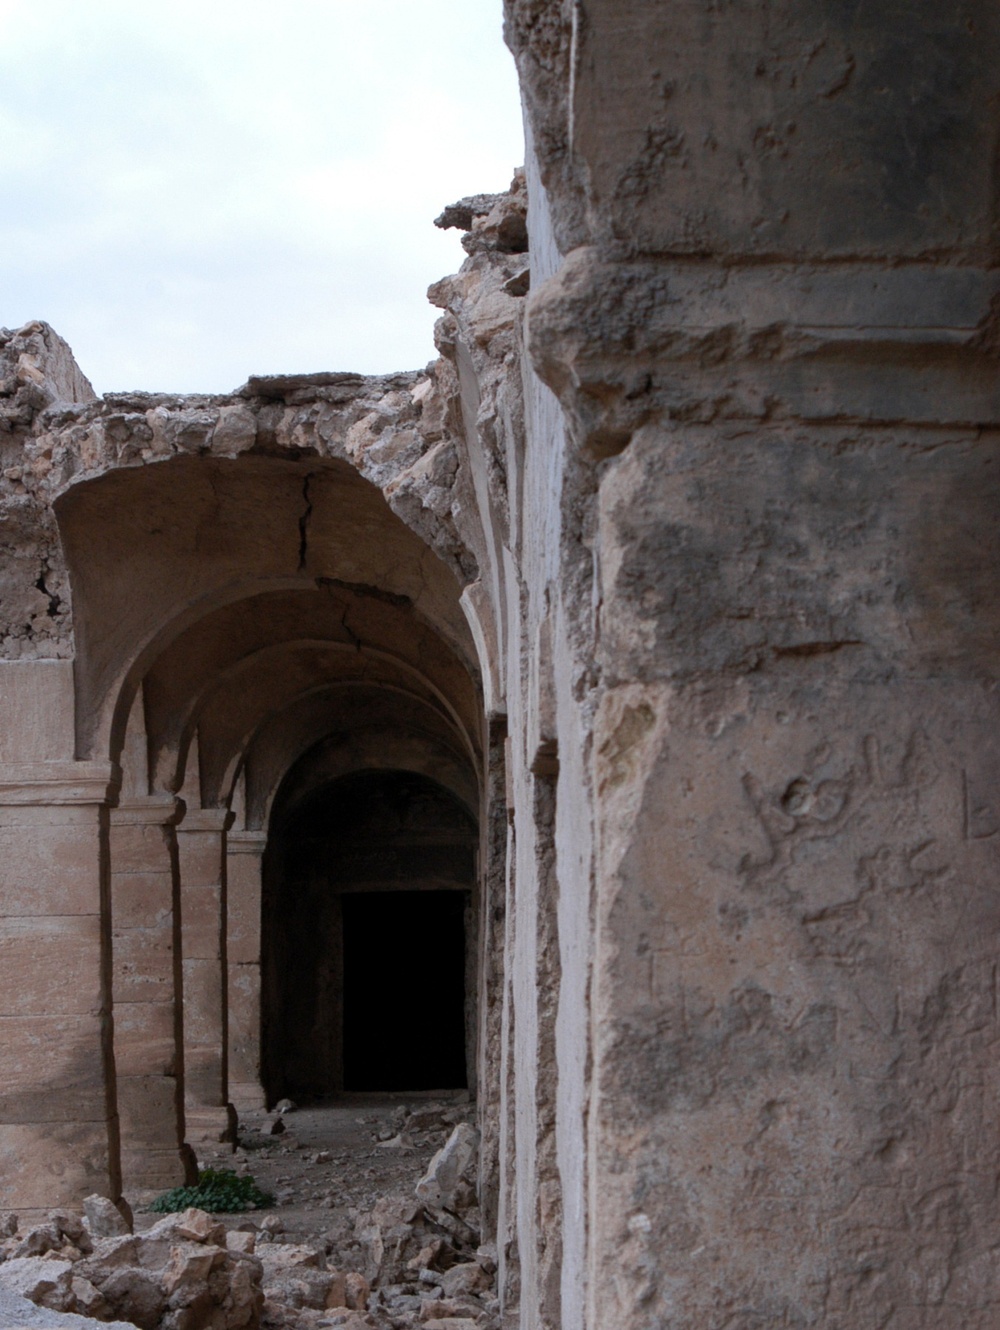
(246, 842)
(148, 810)
(206, 819)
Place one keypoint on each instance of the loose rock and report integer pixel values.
(104, 1219)
(449, 1180)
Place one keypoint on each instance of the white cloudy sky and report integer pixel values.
(197, 190)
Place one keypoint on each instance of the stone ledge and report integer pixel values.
(246, 842)
(58, 783)
(153, 810)
(697, 341)
(206, 819)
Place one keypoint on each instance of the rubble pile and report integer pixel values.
(409, 1262)
(179, 1275)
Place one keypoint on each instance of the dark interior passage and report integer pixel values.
(366, 939)
(404, 990)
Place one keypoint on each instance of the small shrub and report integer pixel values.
(219, 1191)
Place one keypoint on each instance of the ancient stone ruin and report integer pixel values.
(603, 719)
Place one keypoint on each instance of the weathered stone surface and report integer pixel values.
(683, 556)
(104, 1219)
(40, 1280)
(449, 1180)
(18, 1311)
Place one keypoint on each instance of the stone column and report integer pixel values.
(58, 1124)
(201, 842)
(145, 906)
(244, 853)
(784, 427)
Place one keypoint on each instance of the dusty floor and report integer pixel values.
(331, 1166)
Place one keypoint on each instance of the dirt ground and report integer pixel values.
(332, 1164)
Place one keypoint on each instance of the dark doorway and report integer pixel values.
(404, 990)
(368, 912)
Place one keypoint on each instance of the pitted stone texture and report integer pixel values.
(16, 1311)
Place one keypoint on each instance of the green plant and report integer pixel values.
(219, 1191)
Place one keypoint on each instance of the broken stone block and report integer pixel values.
(357, 1290)
(241, 1241)
(349, 1320)
(303, 1286)
(41, 1280)
(191, 1225)
(109, 1254)
(240, 1296)
(469, 1277)
(289, 1255)
(16, 1311)
(190, 1263)
(134, 1295)
(72, 1227)
(425, 1119)
(104, 1219)
(429, 1257)
(337, 1294)
(8, 1223)
(39, 1240)
(88, 1300)
(450, 1175)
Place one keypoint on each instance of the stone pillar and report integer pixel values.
(784, 462)
(145, 908)
(58, 1124)
(201, 842)
(244, 853)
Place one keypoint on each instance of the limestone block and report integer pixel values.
(135, 1295)
(16, 1311)
(42, 1281)
(51, 1069)
(145, 1039)
(200, 854)
(142, 898)
(289, 1255)
(190, 1264)
(50, 965)
(243, 907)
(452, 1170)
(150, 1167)
(194, 1225)
(147, 1108)
(143, 966)
(357, 1290)
(104, 1219)
(139, 847)
(36, 711)
(47, 1164)
(244, 1034)
(202, 1003)
(51, 869)
(201, 912)
(467, 1277)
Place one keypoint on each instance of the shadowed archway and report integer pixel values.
(368, 938)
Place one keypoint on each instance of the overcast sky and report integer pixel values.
(198, 190)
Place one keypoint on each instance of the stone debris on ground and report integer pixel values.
(403, 1253)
